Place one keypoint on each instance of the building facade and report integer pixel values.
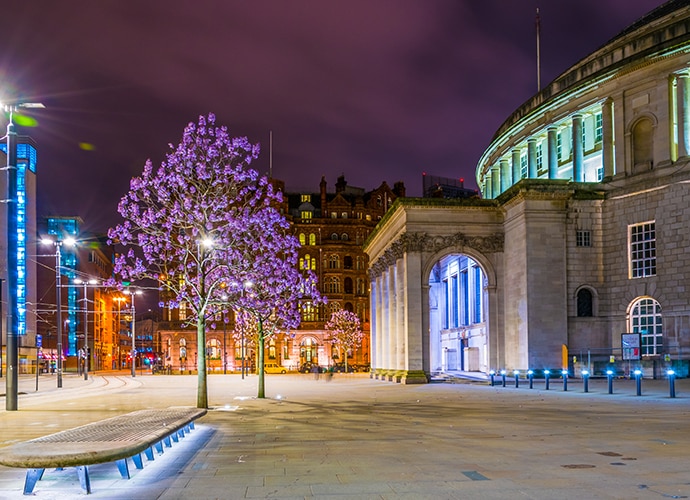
(580, 238)
(331, 228)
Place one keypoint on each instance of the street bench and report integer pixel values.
(112, 440)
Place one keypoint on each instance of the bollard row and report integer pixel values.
(671, 374)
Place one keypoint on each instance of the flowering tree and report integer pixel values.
(198, 224)
(346, 331)
(278, 290)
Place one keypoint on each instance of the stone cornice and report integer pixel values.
(425, 243)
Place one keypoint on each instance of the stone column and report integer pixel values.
(506, 175)
(376, 307)
(416, 342)
(578, 150)
(515, 156)
(552, 152)
(488, 192)
(532, 158)
(400, 314)
(683, 93)
(385, 325)
(607, 156)
(495, 182)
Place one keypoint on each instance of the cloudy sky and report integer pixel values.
(377, 90)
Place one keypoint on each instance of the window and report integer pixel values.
(559, 146)
(305, 198)
(343, 215)
(305, 214)
(478, 285)
(333, 285)
(465, 310)
(334, 215)
(454, 299)
(344, 237)
(334, 236)
(182, 311)
(347, 262)
(645, 319)
(312, 239)
(446, 309)
(523, 166)
(585, 302)
(302, 239)
(334, 261)
(539, 157)
(598, 128)
(642, 239)
(308, 313)
(583, 238)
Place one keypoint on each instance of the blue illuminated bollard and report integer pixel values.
(530, 376)
(609, 375)
(585, 379)
(638, 381)
(671, 383)
(492, 374)
(503, 376)
(517, 378)
(546, 379)
(565, 379)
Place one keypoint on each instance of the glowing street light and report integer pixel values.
(133, 293)
(13, 312)
(58, 297)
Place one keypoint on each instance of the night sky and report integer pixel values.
(373, 89)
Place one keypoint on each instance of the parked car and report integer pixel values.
(340, 368)
(274, 368)
(309, 368)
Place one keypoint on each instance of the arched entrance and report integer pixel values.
(458, 306)
(308, 351)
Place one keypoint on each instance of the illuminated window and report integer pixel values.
(305, 198)
(312, 239)
(182, 311)
(539, 157)
(305, 214)
(598, 128)
(308, 312)
(302, 239)
(645, 319)
(642, 239)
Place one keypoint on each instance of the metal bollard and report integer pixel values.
(638, 381)
(530, 376)
(585, 379)
(503, 376)
(671, 383)
(609, 375)
(565, 379)
(546, 379)
(517, 378)
(492, 373)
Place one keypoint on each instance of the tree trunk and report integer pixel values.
(260, 362)
(202, 388)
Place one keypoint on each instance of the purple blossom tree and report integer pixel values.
(345, 330)
(202, 222)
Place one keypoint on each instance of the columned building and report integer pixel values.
(580, 238)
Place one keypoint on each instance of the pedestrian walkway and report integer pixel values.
(351, 437)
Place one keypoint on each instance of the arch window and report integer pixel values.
(308, 312)
(645, 319)
(334, 236)
(334, 261)
(312, 239)
(348, 285)
(213, 349)
(302, 239)
(333, 284)
(585, 303)
(344, 237)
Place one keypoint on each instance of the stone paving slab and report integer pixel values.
(354, 437)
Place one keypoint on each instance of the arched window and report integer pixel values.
(348, 307)
(334, 261)
(302, 239)
(645, 318)
(348, 285)
(334, 236)
(312, 239)
(213, 349)
(585, 305)
(643, 142)
(305, 262)
(333, 285)
(347, 262)
(344, 237)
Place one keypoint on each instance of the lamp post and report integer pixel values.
(119, 301)
(86, 324)
(11, 381)
(245, 286)
(58, 297)
(134, 320)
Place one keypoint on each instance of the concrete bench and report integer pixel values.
(112, 440)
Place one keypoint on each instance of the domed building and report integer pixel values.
(576, 255)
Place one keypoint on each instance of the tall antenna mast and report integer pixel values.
(538, 25)
(270, 155)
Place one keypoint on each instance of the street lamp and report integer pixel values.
(58, 297)
(134, 320)
(86, 324)
(119, 301)
(13, 246)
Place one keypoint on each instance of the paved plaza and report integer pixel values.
(351, 437)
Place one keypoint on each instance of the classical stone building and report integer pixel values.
(580, 239)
